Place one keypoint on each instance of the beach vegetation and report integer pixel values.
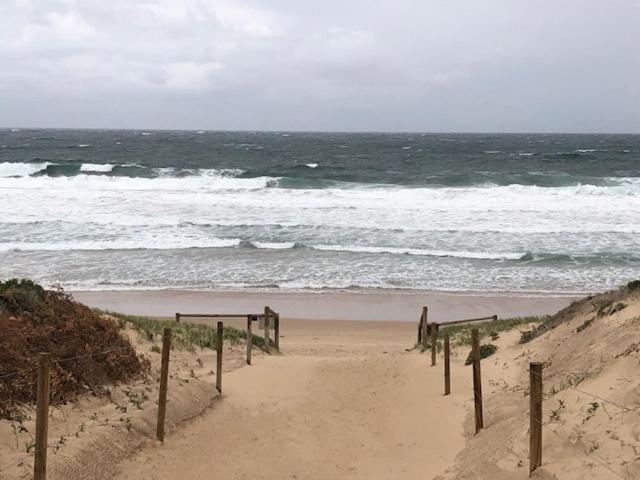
(633, 286)
(184, 335)
(460, 334)
(88, 352)
(556, 412)
(584, 325)
(486, 350)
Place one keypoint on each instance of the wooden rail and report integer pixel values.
(480, 319)
(424, 327)
(269, 318)
(217, 315)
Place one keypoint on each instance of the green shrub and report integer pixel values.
(527, 335)
(633, 285)
(584, 325)
(486, 350)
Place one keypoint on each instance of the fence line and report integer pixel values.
(45, 361)
(535, 410)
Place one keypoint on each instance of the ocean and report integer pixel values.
(89, 209)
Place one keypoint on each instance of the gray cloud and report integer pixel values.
(430, 65)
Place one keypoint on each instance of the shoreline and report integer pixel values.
(327, 305)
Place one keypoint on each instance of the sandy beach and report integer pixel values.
(388, 305)
(345, 400)
(354, 399)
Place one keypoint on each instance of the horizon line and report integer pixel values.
(381, 132)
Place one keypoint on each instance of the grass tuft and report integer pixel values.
(486, 351)
(460, 335)
(185, 335)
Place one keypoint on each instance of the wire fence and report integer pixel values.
(556, 433)
(524, 366)
(43, 377)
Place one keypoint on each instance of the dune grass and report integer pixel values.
(461, 334)
(186, 335)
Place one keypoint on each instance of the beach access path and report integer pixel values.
(344, 400)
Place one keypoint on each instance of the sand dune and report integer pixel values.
(352, 400)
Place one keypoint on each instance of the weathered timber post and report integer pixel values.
(249, 338)
(447, 365)
(425, 323)
(219, 335)
(177, 318)
(42, 417)
(267, 339)
(434, 343)
(535, 416)
(477, 380)
(164, 378)
(276, 330)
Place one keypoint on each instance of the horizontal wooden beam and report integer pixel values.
(455, 322)
(219, 315)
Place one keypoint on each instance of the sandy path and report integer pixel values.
(371, 411)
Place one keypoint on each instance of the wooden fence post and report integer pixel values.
(177, 318)
(249, 338)
(477, 380)
(434, 343)
(276, 330)
(42, 417)
(425, 323)
(164, 377)
(267, 339)
(535, 416)
(219, 335)
(447, 365)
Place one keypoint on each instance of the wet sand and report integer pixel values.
(389, 305)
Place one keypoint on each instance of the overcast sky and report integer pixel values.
(397, 65)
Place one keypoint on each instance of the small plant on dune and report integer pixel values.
(137, 399)
(584, 325)
(618, 307)
(527, 335)
(127, 423)
(591, 411)
(59, 444)
(486, 351)
(555, 413)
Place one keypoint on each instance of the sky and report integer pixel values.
(330, 65)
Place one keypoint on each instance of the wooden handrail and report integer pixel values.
(219, 315)
(455, 322)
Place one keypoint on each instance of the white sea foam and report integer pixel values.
(145, 242)
(17, 169)
(421, 252)
(274, 245)
(312, 165)
(96, 167)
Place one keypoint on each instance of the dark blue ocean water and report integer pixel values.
(125, 209)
